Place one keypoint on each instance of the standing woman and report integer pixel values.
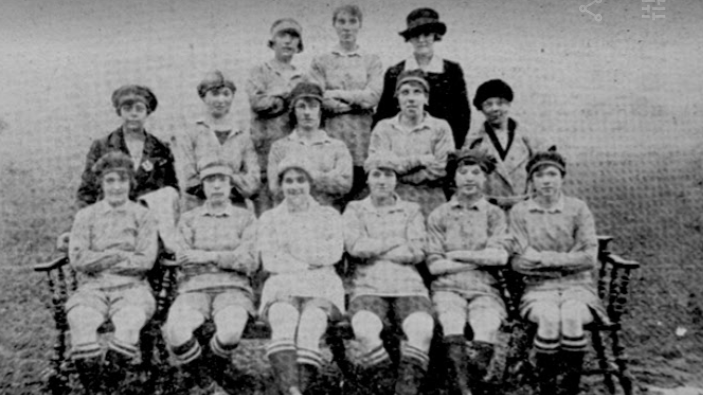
(352, 80)
(218, 135)
(330, 161)
(449, 99)
(269, 86)
(299, 241)
(421, 142)
(155, 179)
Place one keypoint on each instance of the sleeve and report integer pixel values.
(582, 255)
(357, 241)
(82, 257)
(370, 95)
(330, 244)
(243, 258)
(416, 236)
(435, 236)
(190, 162)
(276, 154)
(274, 254)
(434, 167)
(261, 100)
(89, 189)
(387, 104)
(338, 180)
(142, 259)
(381, 142)
(319, 75)
(248, 179)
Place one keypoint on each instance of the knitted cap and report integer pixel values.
(412, 75)
(478, 157)
(211, 166)
(546, 158)
(131, 93)
(214, 80)
(492, 88)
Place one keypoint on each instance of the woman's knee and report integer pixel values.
(312, 326)
(283, 318)
(230, 323)
(453, 322)
(485, 324)
(367, 326)
(547, 317)
(180, 325)
(419, 328)
(574, 315)
(84, 321)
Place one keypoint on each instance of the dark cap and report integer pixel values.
(214, 80)
(492, 88)
(478, 157)
(131, 93)
(546, 158)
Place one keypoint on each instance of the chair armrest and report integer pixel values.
(619, 262)
(51, 265)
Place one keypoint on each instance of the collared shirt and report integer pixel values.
(267, 83)
(366, 231)
(330, 160)
(300, 250)
(231, 235)
(113, 246)
(237, 150)
(565, 237)
(357, 81)
(155, 171)
(455, 227)
(436, 65)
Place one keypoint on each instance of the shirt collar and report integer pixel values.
(557, 208)
(103, 207)
(208, 211)
(276, 69)
(236, 126)
(436, 64)
(337, 50)
(367, 205)
(479, 205)
(425, 124)
(320, 137)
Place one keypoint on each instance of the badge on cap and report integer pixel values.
(147, 165)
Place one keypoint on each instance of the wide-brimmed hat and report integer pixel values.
(131, 93)
(423, 20)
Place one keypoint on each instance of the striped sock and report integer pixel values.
(310, 357)
(222, 350)
(86, 351)
(574, 343)
(413, 353)
(127, 350)
(187, 352)
(279, 345)
(374, 357)
(547, 346)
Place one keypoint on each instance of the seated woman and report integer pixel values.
(217, 134)
(113, 244)
(329, 158)
(300, 241)
(215, 262)
(554, 240)
(387, 234)
(421, 142)
(155, 179)
(466, 236)
(500, 136)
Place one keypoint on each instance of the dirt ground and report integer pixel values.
(621, 97)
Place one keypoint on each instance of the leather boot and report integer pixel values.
(90, 372)
(307, 376)
(458, 362)
(285, 371)
(546, 373)
(480, 355)
(122, 373)
(573, 365)
(378, 379)
(410, 376)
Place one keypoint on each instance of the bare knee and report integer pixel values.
(574, 315)
(283, 318)
(84, 323)
(548, 317)
(367, 327)
(313, 324)
(230, 323)
(180, 325)
(419, 328)
(485, 324)
(128, 323)
(453, 322)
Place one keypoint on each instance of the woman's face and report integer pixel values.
(133, 115)
(347, 27)
(470, 180)
(495, 109)
(115, 185)
(382, 182)
(412, 99)
(307, 113)
(423, 44)
(219, 101)
(285, 45)
(217, 188)
(547, 181)
(295, 185)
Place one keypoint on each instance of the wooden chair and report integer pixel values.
(614, 275)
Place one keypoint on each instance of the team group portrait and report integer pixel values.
(353, 198)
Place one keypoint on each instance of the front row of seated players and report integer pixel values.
(551, 238)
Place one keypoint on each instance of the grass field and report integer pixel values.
(621, 97)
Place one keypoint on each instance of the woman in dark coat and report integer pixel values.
(449, 98)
